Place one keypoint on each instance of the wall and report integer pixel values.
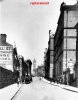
(6, 77)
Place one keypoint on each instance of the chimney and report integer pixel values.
(3, 37)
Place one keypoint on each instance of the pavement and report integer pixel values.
(43, 90)
(9, 92)
(66, 87)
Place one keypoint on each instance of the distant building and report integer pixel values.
(65, 43)
(40, 71)
(34, 66)
(29, 66)
(6, 53)
(47, 62)
(46, 55)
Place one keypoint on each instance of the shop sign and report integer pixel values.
(6, 57)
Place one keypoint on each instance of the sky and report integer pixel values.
(28, 25)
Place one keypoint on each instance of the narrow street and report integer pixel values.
(40, 90)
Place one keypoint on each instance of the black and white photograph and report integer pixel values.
(38, 49)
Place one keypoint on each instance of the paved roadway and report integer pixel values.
(40, 90)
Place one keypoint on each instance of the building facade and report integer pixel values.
(47, 63)
(34, 67)
(6, 53)
(51, 54)
(65, 43)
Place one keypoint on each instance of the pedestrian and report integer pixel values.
(40, 78)
(18, 81)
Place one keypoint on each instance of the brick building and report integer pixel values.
(6, 62)
(65, 42)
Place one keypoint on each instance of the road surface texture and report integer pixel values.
(40, 90)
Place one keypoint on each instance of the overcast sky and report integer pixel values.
(28, 25)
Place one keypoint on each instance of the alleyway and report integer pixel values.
(40, 90)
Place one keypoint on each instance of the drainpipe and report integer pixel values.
(66, 46)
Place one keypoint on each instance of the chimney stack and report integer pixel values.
(3, 37)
